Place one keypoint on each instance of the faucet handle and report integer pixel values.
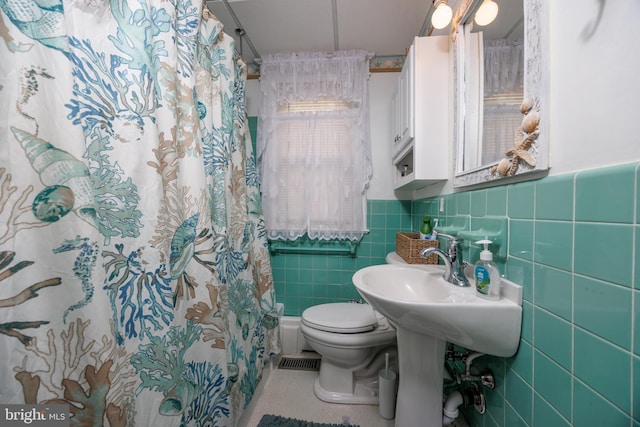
(448, 236)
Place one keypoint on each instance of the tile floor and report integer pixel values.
(289, 393)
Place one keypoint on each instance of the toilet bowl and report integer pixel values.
(353, 340)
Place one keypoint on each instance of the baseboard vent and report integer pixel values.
(299, 363)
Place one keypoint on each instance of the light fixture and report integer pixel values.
(442, 15)
(486, 13)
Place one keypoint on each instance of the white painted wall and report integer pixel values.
(594, 101)
(381, 86)
(252, 93)
(595, 84)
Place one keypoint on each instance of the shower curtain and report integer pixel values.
(135, 281)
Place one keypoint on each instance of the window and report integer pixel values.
(313, 145)
(502, 118)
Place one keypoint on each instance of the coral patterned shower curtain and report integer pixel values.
(135, 282)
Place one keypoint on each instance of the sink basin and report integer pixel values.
(419, 299)
(428, 312)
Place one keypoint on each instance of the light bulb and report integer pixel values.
(486, 13)
(442, 15)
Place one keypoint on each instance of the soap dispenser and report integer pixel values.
(486, 274)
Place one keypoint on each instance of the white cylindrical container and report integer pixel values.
(387, 381)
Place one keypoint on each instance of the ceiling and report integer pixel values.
(382, 27)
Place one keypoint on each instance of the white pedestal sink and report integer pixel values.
(428, 312)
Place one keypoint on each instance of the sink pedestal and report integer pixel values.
(421, 360)
(428, 311)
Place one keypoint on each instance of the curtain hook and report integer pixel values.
(240, 32)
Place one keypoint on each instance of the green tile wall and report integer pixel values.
(574, 245)
(304, 280)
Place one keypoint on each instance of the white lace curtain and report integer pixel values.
(503, 66)
(503, 90)
(313, 144)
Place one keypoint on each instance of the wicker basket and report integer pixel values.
(409, 246)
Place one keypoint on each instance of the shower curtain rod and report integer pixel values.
(243, 33)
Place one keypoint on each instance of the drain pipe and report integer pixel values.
(450, 408)
(471, 395)
(453, 401)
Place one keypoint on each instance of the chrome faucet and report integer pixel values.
(454, 266)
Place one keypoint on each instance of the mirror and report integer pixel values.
(500, 92)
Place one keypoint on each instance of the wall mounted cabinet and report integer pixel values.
(420, 115)
(402, 105)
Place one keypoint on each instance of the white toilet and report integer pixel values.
(352, 340)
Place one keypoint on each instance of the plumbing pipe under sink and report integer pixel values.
(466, 396)
(450, 408)
(456, 398)
(469, 360)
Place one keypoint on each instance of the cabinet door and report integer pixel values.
(395, 120)
(407, 99)
(421, 158)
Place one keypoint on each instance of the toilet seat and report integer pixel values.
(341, 317)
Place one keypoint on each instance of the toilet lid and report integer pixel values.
(341, 317)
